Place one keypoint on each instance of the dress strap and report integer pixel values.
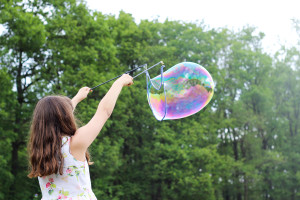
(64, 140)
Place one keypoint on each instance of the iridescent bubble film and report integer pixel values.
(188, 88)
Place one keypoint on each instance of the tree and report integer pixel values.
(23, 58)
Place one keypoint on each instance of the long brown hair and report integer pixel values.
(52, 118)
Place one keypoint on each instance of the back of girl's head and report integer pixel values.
(52, 118)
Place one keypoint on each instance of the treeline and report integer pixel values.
(244, 145)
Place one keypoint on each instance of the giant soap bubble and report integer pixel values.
(186, 89)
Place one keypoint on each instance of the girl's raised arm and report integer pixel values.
(85, 135)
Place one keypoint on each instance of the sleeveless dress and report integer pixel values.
(74, 184)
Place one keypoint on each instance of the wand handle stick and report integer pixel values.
(161, 62)
(106, 82)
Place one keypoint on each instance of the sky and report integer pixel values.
(273, 17)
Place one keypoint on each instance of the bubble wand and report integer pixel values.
(187, 88)
(145, 65)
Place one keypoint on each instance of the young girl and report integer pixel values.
(58, 150)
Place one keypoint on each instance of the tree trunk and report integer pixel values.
(17, 129)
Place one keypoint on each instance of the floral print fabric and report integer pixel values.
(74, 184)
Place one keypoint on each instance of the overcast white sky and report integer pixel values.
(273, 17)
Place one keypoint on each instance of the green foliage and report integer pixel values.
(5, 132)
(243, 145)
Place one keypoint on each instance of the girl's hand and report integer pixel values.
(125, 80)
(82, 93)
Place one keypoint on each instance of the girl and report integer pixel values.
(58, 150)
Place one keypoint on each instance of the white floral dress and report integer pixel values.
(74, 184)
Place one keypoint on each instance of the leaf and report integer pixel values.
(50, 192)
